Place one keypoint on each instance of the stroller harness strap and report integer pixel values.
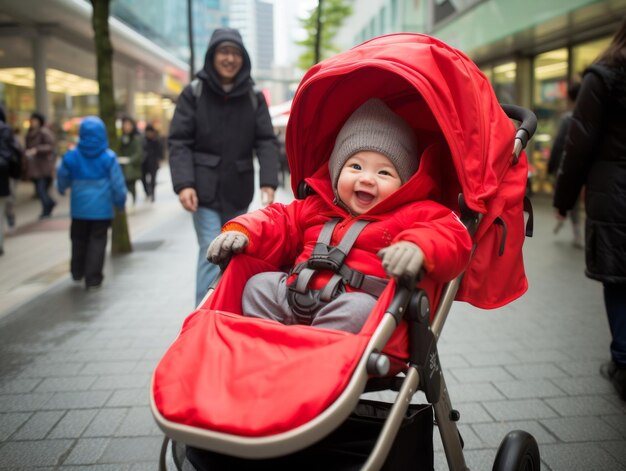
(305, 302)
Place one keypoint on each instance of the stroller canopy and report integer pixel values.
(449, 103)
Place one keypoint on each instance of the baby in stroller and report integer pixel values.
(337, 237)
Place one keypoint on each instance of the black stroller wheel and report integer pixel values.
(518, 452)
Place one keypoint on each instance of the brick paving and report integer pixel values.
(75, 366)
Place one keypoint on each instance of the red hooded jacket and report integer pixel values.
(285, 235)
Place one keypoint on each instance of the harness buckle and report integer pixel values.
(305, 304)
(356, 279)
(326, 258)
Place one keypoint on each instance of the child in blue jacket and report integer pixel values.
(97, 185)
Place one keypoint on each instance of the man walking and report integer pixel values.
(219, 121)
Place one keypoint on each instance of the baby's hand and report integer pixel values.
(402, 260)
(225, 245)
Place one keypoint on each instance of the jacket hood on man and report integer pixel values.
(243, 80)
(93, 139)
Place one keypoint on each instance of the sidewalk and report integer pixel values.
(37, 251)
(75, 366)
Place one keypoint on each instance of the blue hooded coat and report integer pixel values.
(93, 173)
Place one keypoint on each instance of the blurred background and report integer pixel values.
(529, 50)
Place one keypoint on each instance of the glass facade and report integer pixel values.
(165, 23)
(553, 71)
(503, 77)
(550, 82)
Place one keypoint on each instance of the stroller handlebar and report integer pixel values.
(526, 129)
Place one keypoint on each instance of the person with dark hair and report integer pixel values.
(555, 162)
(131, 149)
(219, 123)
(595, 157)
(41, 160)
(152, 156)
(10, 163)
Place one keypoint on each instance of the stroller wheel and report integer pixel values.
(518, 452)
(173, 457)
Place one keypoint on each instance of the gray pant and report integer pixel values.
(265, 296)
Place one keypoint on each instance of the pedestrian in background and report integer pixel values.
(152, 156)
(555, 161)
(219, 121)
(95, 179)
(40, 161)
(595, 157)
(131, 148)
(10, 165)
(13, 181)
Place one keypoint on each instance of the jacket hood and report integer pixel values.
(615, 80)
(243, 80)
(92, 136)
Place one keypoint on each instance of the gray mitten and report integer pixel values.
(225, 245)
(402, 260)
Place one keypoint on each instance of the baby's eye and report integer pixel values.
(385, 172)
(355, 166)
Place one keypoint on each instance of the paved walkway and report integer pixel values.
(75, 366)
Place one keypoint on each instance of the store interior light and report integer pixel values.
(503, 68)
(556, 69)
(57, 81)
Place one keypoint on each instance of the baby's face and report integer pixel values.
(365, 180)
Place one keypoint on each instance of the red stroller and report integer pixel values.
(253, 392)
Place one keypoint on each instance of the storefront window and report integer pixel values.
(585, 54)
(504, 82)
(549, 103)
(151, 108)
(69, 98)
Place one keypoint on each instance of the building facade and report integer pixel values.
(529, 50)
(48, 64)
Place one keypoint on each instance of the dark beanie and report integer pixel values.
(375, 127)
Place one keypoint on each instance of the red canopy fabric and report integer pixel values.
(449, 102)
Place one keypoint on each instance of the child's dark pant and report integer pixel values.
(89, 241)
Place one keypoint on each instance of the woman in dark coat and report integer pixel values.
(41, 161)
(595, 157)
(152, 156)
(131, 148)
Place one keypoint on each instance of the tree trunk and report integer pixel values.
(120, 238)
(318, 34)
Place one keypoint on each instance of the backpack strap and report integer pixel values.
(253, 93)
(196, 87)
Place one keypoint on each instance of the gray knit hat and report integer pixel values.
(373, 126)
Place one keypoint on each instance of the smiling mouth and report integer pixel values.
(363, 197)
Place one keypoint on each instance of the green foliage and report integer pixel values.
(333, 14)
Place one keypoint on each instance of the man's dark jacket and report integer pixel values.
(595, 157)
(212, 136)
